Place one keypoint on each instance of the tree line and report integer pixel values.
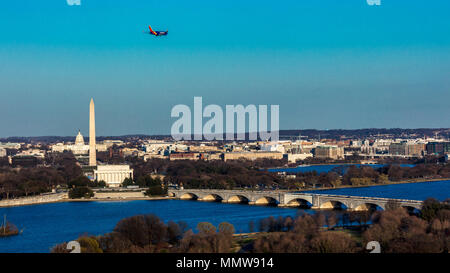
(253, 174)
(211, 174)
(149, 234)
(59, 170)
(365, 175)
(395, 229)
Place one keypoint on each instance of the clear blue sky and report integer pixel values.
(328, 64)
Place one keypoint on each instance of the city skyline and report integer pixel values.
(329, 65)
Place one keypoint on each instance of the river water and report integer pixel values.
(327, 168)
(412, 191)
(46, 225)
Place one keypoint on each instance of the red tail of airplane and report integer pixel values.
(151, 31)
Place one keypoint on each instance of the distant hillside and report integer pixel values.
(284, 134)
(53, 139)
(367, 133)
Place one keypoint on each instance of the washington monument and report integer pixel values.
(92, 148)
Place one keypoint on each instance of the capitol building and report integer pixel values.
(79, 147)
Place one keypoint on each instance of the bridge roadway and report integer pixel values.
(291, 199)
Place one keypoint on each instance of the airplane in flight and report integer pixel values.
(156, 32)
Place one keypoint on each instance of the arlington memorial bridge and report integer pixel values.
(292, 199)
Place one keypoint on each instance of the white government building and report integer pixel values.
(79, 148)
(113, 175)
(2, 152)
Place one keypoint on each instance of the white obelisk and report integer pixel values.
(92, 149)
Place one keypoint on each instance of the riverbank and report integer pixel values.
(332, 164)
(33, 200)
(421, 180)
(63, 197)
(364, 163)
(117, 199)
(128, 196)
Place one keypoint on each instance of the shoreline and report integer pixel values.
(335, 164)
(117, 199)
(156, 198)
(375, 185)
(66, 200)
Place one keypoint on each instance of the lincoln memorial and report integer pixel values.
(113, 175)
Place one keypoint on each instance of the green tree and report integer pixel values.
(174, 232)
(328, 242)
(80, 181)
(101, 184)
(226, 228)
(89, 245)
(127, 182)
(155, 191)
(141, 182)
(337, 182)
(206, 227)
(383, 179)
(81, 192)
(98, 184)
(430, 208)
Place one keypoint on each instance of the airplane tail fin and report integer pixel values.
(151, 30)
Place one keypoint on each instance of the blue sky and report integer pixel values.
(328, 64)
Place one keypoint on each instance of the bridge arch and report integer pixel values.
(266, 200)
(299, 202)
(212, 198)
(171, 194)
(333, 204)
(238, 199)
(411, 209)
(367, 207)
(189, 196)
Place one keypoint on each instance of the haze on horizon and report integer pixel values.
(329, 64)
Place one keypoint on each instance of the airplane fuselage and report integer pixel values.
(160, 33)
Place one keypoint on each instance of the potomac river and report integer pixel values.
(340, 168)
(46, 225)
